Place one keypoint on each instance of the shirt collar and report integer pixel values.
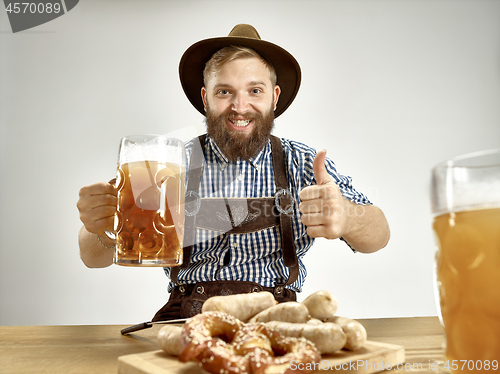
(223, 161)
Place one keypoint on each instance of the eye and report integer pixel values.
(256, 91)
(222, 92)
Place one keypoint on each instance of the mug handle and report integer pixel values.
(111, 234)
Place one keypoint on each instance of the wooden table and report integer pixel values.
(95, 349)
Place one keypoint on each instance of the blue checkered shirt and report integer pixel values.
(256, 256)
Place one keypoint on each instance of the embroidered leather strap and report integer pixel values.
(286, 204)
(193, 185)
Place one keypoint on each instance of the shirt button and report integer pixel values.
(235, 245)
(240, 177)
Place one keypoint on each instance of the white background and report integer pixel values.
(389, 88)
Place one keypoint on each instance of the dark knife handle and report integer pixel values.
(140, 326)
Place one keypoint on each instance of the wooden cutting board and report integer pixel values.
(372, 358)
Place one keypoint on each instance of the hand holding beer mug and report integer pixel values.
(149, 221)
(465, 196)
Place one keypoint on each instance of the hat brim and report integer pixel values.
(194, 59)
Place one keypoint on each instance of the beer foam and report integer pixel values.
(466, 183)
(467, 196)
(157, 149)
(475, 195)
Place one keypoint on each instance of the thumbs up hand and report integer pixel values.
(324, 209)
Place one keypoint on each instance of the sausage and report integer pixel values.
(321, 305)
(241, 306)
(327, 337)
(355, 332)
(169, 339)
(315, 321)
(290, 311)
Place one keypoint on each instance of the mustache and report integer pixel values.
(232, 115)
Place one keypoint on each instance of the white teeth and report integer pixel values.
(240, 123)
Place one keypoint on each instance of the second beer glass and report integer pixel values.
(465, 198)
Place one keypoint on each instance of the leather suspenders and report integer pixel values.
(224, 214)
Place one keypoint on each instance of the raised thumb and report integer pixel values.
(319, 168)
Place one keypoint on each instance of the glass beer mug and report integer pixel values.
(149, 220)
(465, 197)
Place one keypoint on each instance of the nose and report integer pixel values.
(240, 103)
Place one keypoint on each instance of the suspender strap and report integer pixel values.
(191, 201)
(284, 199)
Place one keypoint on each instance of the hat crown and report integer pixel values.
(244, 31)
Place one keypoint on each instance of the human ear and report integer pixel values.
(277, 91)
(204, 97)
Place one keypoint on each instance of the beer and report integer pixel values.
(468, 270)
(149, 221)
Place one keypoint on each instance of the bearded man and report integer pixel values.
(256, 202)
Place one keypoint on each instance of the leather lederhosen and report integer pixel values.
(233, 216)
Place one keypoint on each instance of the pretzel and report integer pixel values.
(205, 338)
(271, 352)
(221, 343)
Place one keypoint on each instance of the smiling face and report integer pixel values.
(240, 98)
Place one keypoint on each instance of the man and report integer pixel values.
(278, 195)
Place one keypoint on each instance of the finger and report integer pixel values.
(98, 213)
(89, 202)
(101, 188)
(315, 231)
(310, 206)
(321, 231)
(315, 192)
(325, 191)
(317, 227)
(98, 219)
(312, 219)
(100, 226)
(319, 168)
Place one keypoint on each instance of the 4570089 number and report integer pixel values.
(33, 8)
(471, 365)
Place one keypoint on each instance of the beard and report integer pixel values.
(234, 144)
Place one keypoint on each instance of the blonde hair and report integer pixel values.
(231, 53)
